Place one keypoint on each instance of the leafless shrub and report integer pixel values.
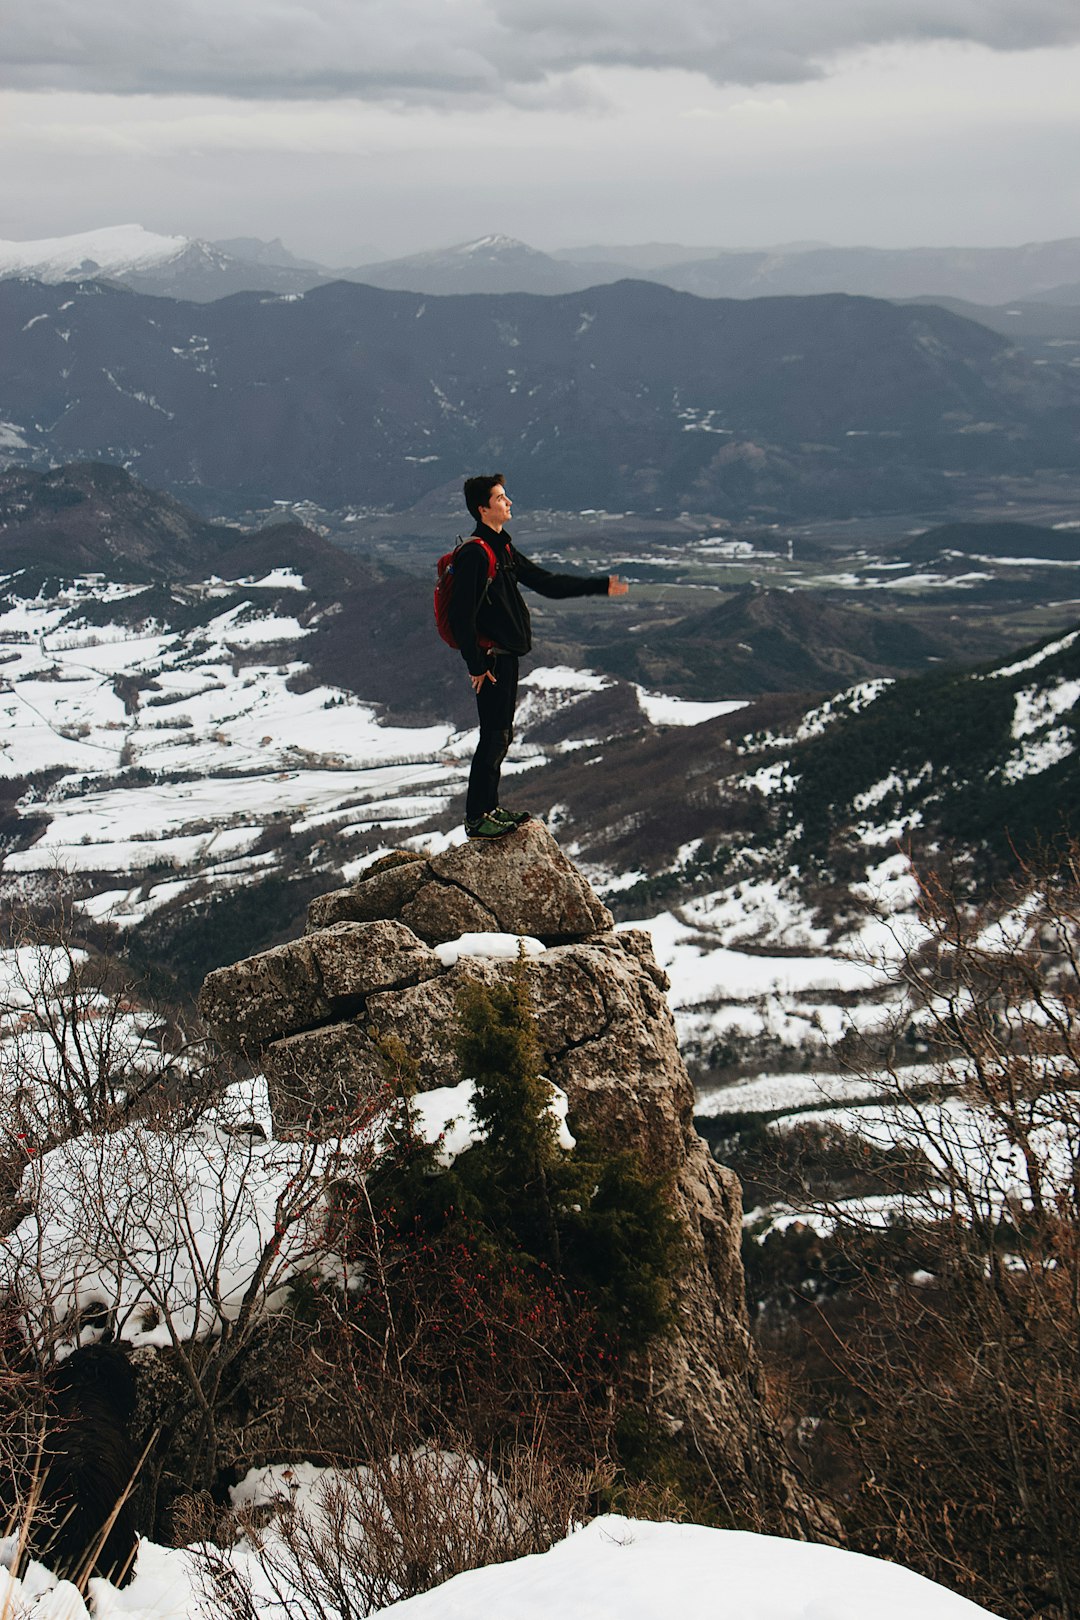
(399, 1525)
(81, 1048)
(946, 1358)
(147, 1202)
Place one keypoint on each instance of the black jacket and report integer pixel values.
(497, 610)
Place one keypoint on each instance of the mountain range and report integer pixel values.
(1043, 273)
(628, 396)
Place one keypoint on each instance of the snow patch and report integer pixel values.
(672, 711)
(495, 947)
(638, 1570)
(1036, 658)
(446, 1117)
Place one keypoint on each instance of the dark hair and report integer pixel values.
(478, 489)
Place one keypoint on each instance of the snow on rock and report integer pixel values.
(624, 1569)
(497, 947)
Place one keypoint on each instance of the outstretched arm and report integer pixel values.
(546, 583)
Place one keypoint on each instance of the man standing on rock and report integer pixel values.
(490, 624)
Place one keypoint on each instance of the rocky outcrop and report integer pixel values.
(328, 974)
(322, 1014)
(518, 885)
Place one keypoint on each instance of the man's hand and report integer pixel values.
(616, 586)
(478, 680)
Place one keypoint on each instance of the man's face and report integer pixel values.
(497, 510)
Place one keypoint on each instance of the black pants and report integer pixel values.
(495, 704)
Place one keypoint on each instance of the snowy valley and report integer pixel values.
(181, 771)
(169, 753)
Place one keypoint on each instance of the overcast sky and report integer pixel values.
(363, 128)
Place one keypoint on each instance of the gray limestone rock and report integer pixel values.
(383, 893)
(306, 982)
(357, 959)
(520, 884)
(323, 1080)
(527, 882)
(441, 911)
(422, 1019)
(328, 1010)
(263, 996)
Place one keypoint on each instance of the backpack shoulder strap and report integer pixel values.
(492, 561)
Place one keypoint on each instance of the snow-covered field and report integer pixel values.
(178, 783)
(194, 759)
(184, 754)
(752, 968)
(612, 1569)
(179, 750)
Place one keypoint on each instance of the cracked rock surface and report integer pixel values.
(521, 884)
(321, 1012)
(309, 981)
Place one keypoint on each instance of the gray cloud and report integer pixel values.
(427, 50)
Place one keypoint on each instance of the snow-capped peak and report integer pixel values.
(113, 250)
(492, 244)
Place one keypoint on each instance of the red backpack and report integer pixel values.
(444, 586)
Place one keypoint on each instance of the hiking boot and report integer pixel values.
(516, 818)
(489, 825)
